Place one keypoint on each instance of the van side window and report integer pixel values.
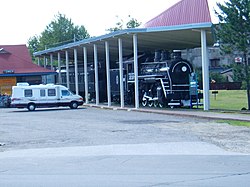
(28, 93)
(65, 93)
(51, 92)
(42, 93)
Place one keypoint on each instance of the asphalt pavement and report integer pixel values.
(93, 147)
(139, 165)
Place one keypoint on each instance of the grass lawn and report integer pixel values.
(236, 123)
(229, 100)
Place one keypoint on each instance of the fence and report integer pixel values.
(226, 86)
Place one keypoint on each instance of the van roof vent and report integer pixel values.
(22, 84)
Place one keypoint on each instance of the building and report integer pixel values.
(185, 25)
(16, 66)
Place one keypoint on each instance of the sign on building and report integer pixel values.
(238, 60)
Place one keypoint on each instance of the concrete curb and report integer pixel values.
(190, 113)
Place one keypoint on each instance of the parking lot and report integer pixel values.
(86, 126)
(98, 147)
(89, 126)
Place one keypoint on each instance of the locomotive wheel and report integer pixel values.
(150, 103)
(161, 105)
(156, 103)
(144, 102)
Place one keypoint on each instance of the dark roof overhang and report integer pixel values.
(149, 39)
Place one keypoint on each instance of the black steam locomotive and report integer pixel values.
(164, 80)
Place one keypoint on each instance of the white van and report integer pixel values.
(38, 96)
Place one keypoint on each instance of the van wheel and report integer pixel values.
(74, 105)
(31, 107)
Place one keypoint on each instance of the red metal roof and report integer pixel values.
(18, 59)
(183, 12)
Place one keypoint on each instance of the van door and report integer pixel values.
(65, 97)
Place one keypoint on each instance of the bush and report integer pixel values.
(244, 85)
(217, 77)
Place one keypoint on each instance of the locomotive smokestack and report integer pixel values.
(157, 56)
(165, 55)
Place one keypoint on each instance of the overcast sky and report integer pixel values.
(22, 19)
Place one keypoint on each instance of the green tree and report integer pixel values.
(60, 31)
(33, 45)
(131, 23)
(238, 74)
(233, 32)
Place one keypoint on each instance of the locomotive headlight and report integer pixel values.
(184, 68)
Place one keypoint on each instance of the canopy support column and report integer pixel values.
(108, 73)
(44, 61)
(121, 72)
(135, 45)
(86, 85)
(59, 68)
(96, 75)
(67, 68)
(38, 61)
(205, 70)
(51, 61)
(76, 71)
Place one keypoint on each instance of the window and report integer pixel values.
(65, 93)
(215, 63)
(28, 93)
(51, 92)
(42, 93)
